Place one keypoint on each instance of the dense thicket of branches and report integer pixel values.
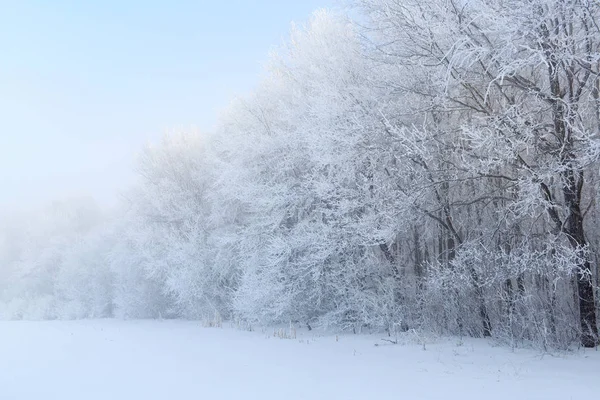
(435, 168)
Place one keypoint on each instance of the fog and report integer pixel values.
(83, 87)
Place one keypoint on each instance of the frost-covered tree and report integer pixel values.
(309, 145)
(510, 90)
(171, 228)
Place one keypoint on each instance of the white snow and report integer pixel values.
(114, 360)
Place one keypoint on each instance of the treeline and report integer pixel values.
(434, 167)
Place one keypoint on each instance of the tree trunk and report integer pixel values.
(587, 307)
(574, 229)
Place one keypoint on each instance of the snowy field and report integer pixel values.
(118, 360)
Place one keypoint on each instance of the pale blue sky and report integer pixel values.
(85, 84)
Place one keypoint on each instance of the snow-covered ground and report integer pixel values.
(114, 360)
